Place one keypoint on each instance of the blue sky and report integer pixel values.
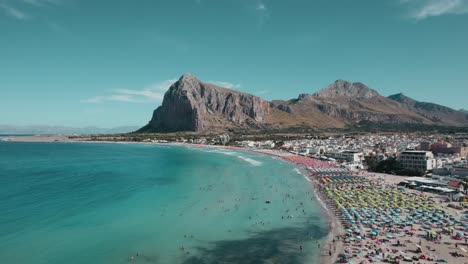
(108, 63)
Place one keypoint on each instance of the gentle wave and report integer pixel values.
(231, 153)
(251, 161)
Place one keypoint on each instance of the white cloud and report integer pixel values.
(422, 9)
(262, 92)
(151, 93)
(226, 84)
(15, 8)
(162, 86)
(115, 97)
(40, 2)
(146, 94)
(261, 11)
(13, 12)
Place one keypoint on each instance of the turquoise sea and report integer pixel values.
(104, 203)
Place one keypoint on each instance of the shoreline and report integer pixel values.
(334, 227)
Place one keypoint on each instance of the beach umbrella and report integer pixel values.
(389, 236)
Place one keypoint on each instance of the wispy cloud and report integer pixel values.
(12, 11)
(40, 2)
(261, 6)
(226, 84)
(18, 8)
(262, 92)
(262, 12)
(423, 9)
(151, 93)
(114, 97)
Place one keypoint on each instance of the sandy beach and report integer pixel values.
(52, 138)
(385, 224)
(420, 228)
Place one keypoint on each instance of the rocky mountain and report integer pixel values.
(343, 103)
(434, 112)
(341, 88)
(193, 105)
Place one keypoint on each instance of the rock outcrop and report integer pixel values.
(344, 103)
(434, 112)
(192, 105)
(341, 88)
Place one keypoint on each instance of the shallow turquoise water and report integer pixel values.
(103, 203)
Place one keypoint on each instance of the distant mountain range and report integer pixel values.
(60, 130)
(193, 105)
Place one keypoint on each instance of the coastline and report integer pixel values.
(334, 227)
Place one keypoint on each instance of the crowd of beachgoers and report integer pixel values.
(380, 222)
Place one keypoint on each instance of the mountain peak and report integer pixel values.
(193, 105)
(342, 88)
(400, 97)
(186, 82)
(188, 77)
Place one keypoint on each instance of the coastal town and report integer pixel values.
(385, 217)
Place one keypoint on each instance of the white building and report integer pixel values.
(350, 156)
(415, 159)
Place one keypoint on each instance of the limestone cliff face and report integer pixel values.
(192, 105)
